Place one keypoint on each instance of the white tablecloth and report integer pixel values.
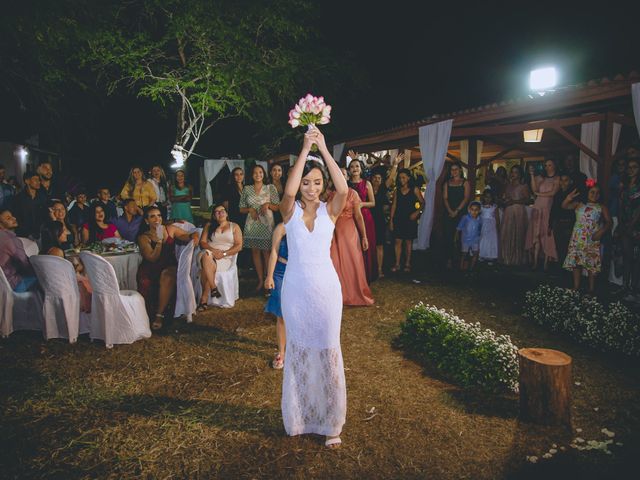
(126, 267)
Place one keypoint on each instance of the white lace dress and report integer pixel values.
(314, 395)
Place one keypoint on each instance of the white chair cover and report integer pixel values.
(185, 296)
(20, 311)
(117, 316)
(61, 309)
(227, 283)
(30, 247)
(186, 226)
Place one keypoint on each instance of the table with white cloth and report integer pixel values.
(126, 268)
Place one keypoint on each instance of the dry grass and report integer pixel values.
(201, 401)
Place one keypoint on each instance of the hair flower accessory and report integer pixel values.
(590, 182)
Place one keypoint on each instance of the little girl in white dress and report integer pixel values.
(490, 226)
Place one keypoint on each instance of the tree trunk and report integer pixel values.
(545, 386)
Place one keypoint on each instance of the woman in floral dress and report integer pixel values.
(259, 201)
(592, 222)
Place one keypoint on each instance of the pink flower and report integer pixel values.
(326, 111)
(294, 123)
(324, 120)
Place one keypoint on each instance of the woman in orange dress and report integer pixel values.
(346, 252)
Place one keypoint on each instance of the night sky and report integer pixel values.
(413, 60)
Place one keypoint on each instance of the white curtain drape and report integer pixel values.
(235, 164)
(434, 141)
(635, 98)
(211, 169)
(338, 150)
(590, 137)
(616, 138)
(292, 159)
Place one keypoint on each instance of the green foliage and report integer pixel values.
(467, 353)
(607, 328)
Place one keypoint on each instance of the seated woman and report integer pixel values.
(220, 240)
(157, 272)
(53, 236)
(58, 213)
(98, 229)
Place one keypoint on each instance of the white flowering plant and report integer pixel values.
(469, 354)
(608, 328)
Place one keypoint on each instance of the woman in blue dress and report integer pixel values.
(275, 275)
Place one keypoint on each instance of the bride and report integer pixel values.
(314, 397)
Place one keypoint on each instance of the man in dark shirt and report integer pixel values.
(561, 220)
(129, 223)
(104, 201)
(30, 207)
(79, 214)
(49, 183)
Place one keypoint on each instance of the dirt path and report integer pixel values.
(201, 401)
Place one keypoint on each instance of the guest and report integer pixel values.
(49, 184)
(469, 232)
(513, 231)
(98, 229)
(30, 207)
(539, 239)
(276, 175)
(259, 201)
(592, 222)
(157, 273)
(456, 194)
(561, 220)
(616, 185)
(629, 228)
(79, 214)
(129, 223)
(181, 195)
(13, 259)
(380, 193)
(220, 241)
(6, 190)
(404, 217)
(579, 179)
(275, 275)
(104, 200)
(490, 227)
(158, 181)
(497, 181)
(55, 236)
(232, 196)
(346, 251)
(84, 285)
(58, 213)
(139, 189)
(365, 191)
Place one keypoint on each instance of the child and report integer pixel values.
(592, 222)
(469, 232)
(275, 275)
(490, 227)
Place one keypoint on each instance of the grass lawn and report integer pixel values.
(201, 401)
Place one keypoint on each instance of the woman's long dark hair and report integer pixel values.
(94, 229)
(363, 172)
(50, 235)
(144, 226)
(407, 172)
(213, 221)
(455, 164)
(265, 178)
(308, 166)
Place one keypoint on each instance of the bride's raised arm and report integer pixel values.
(337, 203)
(293, 180)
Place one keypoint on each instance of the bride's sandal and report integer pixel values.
(201, 307)
(278, 362)
(333, 442)
(157, 323)
(215, 292)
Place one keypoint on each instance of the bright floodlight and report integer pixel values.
(543, 79)
(23, 153)
(178, 156)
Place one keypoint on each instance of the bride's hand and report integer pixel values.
(319, 139)
(309, 140)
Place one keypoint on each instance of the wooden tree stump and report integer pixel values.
(545, 386)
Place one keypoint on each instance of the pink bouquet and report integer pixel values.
(308, 111)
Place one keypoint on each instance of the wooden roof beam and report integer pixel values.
(579, 144)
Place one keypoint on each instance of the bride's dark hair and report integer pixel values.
(311, 165)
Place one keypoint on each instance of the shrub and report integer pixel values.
(607, 328)
(469, 354)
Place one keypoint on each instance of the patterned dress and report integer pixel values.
(257, 233)
(583, 250)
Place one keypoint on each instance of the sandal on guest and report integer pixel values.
(215, 292)
(332, 442)
(201, 307)
(380, 275)
(395, 268)
(157, 323)
(407, 268)
(278, 362)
